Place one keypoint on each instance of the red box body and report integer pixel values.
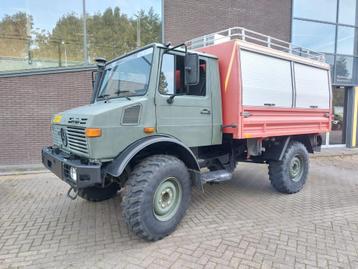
(263, 121)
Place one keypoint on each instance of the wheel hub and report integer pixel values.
(296, 168)
(167, 199)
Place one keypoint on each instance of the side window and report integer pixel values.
(171, 79)
(166, 79)
(200, 88)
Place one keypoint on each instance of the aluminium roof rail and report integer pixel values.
(253, 37)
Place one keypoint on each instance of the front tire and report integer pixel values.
(290, 174)
(156, 196)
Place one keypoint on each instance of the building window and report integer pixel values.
(313, 35)
(334, 33)
(345, 40)
(347, 12)
(344, 69)
(339, 103)
(321, 10)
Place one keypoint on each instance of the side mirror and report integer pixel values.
(191, 62)
(100, 62)
(96, 75)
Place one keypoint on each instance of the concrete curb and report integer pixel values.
(20, 173)
(335, 152)
(14, 170)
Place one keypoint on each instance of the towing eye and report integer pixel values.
(72, 193)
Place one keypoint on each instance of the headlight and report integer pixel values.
(73, 173)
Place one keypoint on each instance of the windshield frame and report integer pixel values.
(118, 59)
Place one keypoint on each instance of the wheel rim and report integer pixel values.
(296, 168)
(167, 199)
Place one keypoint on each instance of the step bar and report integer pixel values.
(215, 176)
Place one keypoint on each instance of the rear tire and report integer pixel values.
(290, 174)
(98, 194)
(156, 196)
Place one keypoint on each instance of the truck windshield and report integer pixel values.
(128, 76)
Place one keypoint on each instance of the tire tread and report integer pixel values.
(134, 193)
(277, 169)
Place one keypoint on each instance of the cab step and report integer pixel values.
(216, 176)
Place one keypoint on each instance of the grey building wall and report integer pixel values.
(186, 19)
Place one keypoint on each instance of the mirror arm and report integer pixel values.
(178, 46)
(170, 99)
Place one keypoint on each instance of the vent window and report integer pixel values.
(131, 115)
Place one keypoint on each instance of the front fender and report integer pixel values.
(117, 166)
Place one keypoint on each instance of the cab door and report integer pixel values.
(183, 111)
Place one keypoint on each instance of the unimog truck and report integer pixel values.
(165, 119)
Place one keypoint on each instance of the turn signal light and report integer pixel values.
(149, 130)
(93, 132)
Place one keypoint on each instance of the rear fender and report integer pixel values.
(276, 150)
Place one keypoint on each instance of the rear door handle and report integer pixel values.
(205, 111)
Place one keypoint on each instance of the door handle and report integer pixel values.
(205, 111)
(269, 104)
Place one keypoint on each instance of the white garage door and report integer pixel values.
(312, 87)
(266, 80)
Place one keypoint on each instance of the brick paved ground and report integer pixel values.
(243, 223)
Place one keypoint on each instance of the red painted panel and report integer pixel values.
(229, 69)
(266, 122)
(262, 121)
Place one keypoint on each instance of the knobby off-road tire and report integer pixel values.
(289, 175)
(156, 196)
(98, 194)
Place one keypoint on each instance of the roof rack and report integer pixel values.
(253, 37)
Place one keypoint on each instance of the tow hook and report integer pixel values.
(72, 193)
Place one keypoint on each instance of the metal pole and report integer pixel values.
(85, 48)
(59, 53)
(138, 31)
(28, 37)
(162, 22)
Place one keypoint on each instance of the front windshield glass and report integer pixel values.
(129, 76)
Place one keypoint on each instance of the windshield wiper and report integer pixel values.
(119, 92)
(103, 96)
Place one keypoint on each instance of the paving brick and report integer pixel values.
(239, 224)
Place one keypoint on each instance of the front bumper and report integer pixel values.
(59, 163)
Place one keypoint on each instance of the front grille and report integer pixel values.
(56, 135)
(76, 139)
